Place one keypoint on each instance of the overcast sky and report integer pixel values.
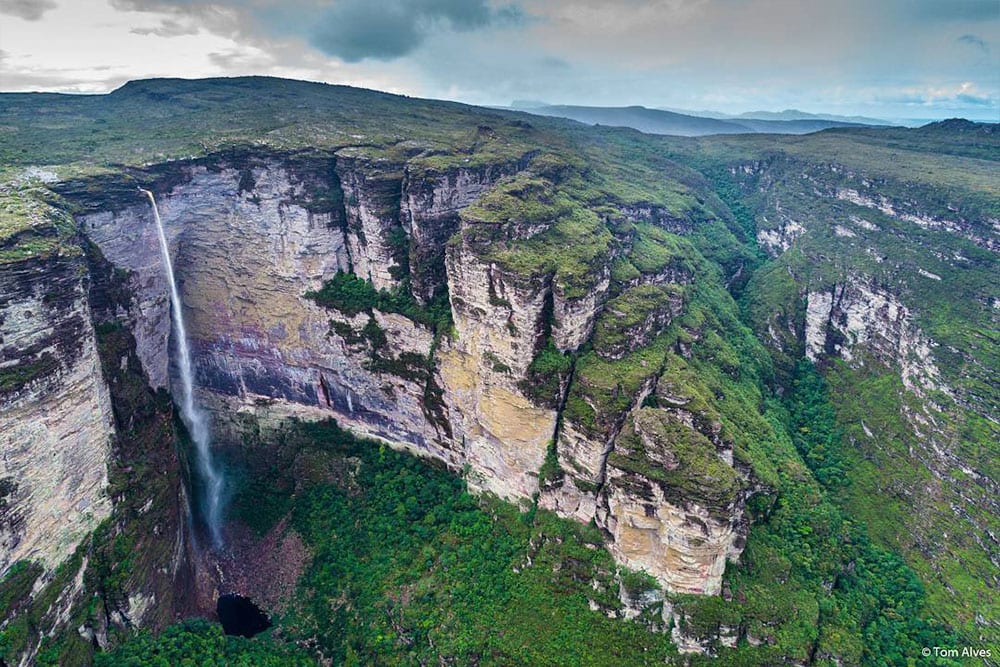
(885, 58)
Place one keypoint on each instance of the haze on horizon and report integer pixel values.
(895, 59)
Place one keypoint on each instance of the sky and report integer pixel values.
(892, 59)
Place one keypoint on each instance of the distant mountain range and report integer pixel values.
(666, 121)
(787, 114)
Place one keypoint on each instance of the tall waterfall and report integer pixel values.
(195, 420)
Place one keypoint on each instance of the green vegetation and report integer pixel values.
(198, 642)
(31, 226)
(636, 314)
(847, 561)
(352, 295)
(548, 372)
(409, 568)
(15, 377)
(815, 432)
(663, 449)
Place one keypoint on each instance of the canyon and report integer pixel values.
(503, 302)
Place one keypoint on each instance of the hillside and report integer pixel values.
(494, 388)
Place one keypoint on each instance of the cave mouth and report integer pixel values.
(240, 616)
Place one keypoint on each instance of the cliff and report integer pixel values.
(55, 404)
(92, 507)
(566, 317)
(254, 247)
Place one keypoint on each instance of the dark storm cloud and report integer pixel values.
(29, 10)
(353, 30)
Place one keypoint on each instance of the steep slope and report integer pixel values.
(881, 269)
(544, 309)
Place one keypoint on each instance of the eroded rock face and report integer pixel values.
(429, 213)
(674, 506)
(371, 198)
(55, 414)
(573, 318)
(245, 261)
(250, 242)
(855, 315)
(498, 320)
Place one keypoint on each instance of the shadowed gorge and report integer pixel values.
(489, 388)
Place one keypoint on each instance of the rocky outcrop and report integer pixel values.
(778, 238)
(431, 201)
(55, 414)
(636, 317)
(371, 196)
(499, 319)
(573, 318)
(985, 234)
(856, 314)
(674, 506)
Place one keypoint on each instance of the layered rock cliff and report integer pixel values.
(93, 510)
(55, 413)
(881, 277)
(257, 239)
(547, 310)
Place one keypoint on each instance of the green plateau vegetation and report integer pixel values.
(845, 562)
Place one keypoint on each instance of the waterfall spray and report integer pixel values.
(195, 420)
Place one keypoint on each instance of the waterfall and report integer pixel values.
(194, 418)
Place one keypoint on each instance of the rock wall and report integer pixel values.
(429, 214)
(55, 414)
(856, 314)
(498, 320)
(244, 261)
(674, 505)
(371, 205)
(250, 240)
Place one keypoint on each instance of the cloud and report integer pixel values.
(29, 10)
(351, 30)
(966, 94)
(167, 28)
(886, 58)
(354, 30)
(974, 100)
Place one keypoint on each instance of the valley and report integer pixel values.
(725, 399)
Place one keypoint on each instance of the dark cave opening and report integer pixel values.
(240, 616)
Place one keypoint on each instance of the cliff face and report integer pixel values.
(92, 508)
(55, 414)
(855, 315)
(672, 502)
(253, 235)
(885, 279)
(546, 309)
